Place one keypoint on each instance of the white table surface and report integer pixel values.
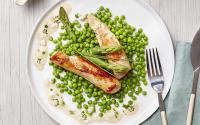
(17, 104)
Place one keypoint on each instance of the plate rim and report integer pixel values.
(38, 22)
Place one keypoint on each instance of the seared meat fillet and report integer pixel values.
(107, 39)
(88, 70)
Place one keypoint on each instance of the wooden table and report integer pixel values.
(17, 104)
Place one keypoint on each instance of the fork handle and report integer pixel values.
(162, 110)
(192, 98)
(190, 110)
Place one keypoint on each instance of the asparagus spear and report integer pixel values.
(103, 57)
(106, 50)
(94, 59)
(64, 17)
(66, 23)
(108, 66)
(117, 67)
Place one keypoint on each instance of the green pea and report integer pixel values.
(140, 30)
(130, 102)
(53, 80)
(79, 106)
(58, 85)
(100, 114)
(74, 86)
(78, 25)
(62, 90)
(62, 86)
(144, 93)
(90, 102)
(101, 8)
(116, 104)
(77, 91)
(139, 89)
(101, 109)
(121, 100)
(116, 18)
(65, 89)
(113, 101)
(120, 25)
(74, 99)
(50, 38)
(77, 15)
(137, 92)
(108, 107)
(100, 104)
(69, 92)
(95, 94)
(94, 102)
(122, 17)
(130, 94)
(85, 106)
(104, 102)
(96, 98)
(90, 90)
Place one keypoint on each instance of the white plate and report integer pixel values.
(139, 14)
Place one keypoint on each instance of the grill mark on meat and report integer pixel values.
(97, 72)
(61, 59)
(116, 55)
(111, 88)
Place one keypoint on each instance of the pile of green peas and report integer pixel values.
(133, 41)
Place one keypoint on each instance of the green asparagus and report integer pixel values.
(64, 17)
(108, 66)
(66, 23)
(107, 50)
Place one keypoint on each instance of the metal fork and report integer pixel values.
(155, 74)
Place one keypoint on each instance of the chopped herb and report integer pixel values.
(45, 26)
(131, 108)
(83, 115)
(56, 102)
(43, 52)
(62, 103)
(125, 106)
(71, 112)
(56, 19)
(45, 31)
(116, 113)
(39, 60)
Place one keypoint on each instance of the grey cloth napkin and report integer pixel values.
(177, 100)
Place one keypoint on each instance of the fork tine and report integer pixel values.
(155, 62)
(148, 67)
(151, 64)
(159, 64)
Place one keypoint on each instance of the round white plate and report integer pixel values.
(139, 14)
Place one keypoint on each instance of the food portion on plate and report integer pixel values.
(98, 65)
(107, 39)
(87, 70)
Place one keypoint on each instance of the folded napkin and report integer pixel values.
(177, 100)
